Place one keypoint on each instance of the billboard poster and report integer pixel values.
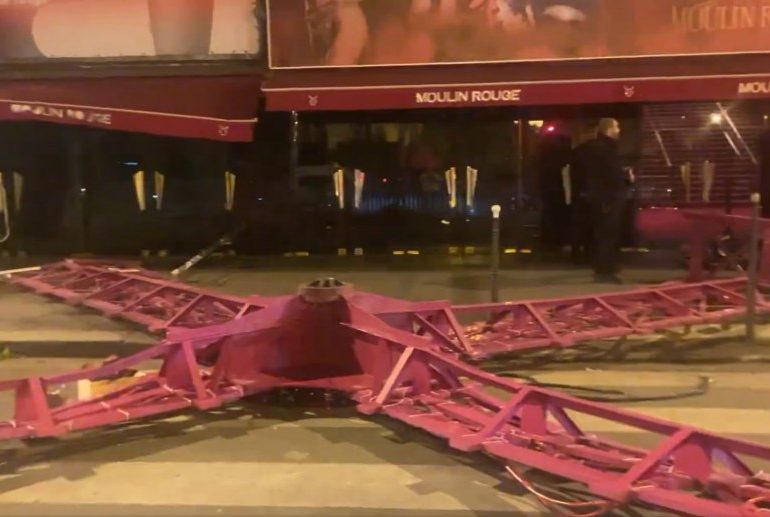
(109, 29)
(350, 33)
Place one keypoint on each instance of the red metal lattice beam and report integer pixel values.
(536, 324)
(516, 326)
(690, 471)
(134, 295)
(705, 227)
(159, 304)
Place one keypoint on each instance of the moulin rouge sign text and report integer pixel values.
(468, 96)
(55, 112)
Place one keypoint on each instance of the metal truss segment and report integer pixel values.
(520, 326)
(134, 295)
(690, 471)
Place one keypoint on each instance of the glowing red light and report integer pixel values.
(384, 180)
(550, 129)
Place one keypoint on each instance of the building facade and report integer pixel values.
(118, 120)
(406, 90)
(433, 109)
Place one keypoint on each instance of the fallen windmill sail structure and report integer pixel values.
(400, 359)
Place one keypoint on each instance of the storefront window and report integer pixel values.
(699, 153)
(79, 193)
(405, 157)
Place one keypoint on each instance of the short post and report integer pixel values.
(495, 288)
(751, 295)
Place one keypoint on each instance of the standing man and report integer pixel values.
(554, 154)
(606, 186)
(580, 214)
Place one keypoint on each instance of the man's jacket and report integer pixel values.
(606, 179)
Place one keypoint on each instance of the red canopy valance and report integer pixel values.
(524, 84)
(216, 108)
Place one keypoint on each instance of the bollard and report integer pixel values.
(495, 294)
(751, 295)
(5, 212)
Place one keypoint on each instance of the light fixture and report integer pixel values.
(716, 118)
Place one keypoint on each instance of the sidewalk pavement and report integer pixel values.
(33, 325)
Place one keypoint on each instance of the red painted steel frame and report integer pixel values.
(707, 226)
(159, 304)
(518, 326)
(349, 343)
(135, 295)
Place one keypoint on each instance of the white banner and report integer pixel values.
(103, 29)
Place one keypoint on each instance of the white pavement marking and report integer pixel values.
(61, 336)
(649, 379)
(306, 485)
(717, 420)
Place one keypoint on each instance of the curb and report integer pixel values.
(73, 349)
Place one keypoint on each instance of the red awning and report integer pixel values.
(214, 108)
(520, 84)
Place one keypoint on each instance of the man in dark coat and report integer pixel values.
(554, 153)
(580, 209)
(606, 188)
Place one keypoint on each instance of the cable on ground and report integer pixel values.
(564, 508)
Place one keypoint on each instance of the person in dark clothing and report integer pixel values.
(764, 172)
(606, 188)
(554, 154)
(580, 209)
